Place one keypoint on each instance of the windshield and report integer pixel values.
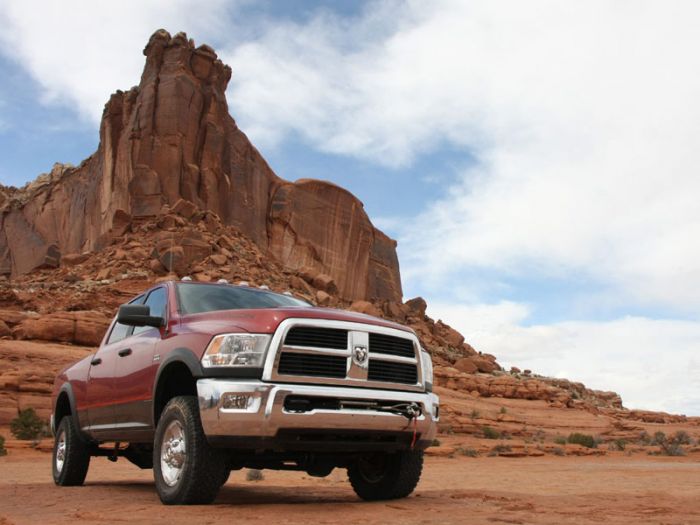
(198, 298)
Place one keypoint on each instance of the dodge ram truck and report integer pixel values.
(194, 380)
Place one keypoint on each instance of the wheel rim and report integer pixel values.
(372, 468)
(173, 453)
(60, 451)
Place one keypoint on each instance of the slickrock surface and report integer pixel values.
(616, 490)
(172, 138)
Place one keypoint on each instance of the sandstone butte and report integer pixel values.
(172, 138)
(176, 188)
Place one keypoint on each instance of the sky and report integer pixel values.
(536, 161)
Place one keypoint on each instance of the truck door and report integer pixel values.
(99, 393)
(135, 369)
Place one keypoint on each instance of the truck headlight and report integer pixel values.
(236, 350)
(427, 362)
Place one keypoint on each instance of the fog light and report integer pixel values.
(234, 401)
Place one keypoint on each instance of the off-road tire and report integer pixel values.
(397, 479)
(201, 475)
(76, 454)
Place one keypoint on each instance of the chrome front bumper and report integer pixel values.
(264, 416)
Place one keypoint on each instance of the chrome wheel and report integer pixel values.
(60, 451)
(173, 453)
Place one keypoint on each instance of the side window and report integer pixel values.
(120, 331)
(158, 302)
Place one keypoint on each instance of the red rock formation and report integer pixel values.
(172, 138)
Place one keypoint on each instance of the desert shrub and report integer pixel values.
(682, 438)
(499, 449)
(469, 452)
(644, 438)
(658, 439)
(27, 425)
(503, 410)
(558, 451)
(474, 414)
(585, 440)
(254, 474)
(560, 440)
(435, 443)
(3, 451)
(618, 444)
(672, 446)
(490, 433)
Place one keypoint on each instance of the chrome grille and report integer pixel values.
(317, 337)
(312, 365)
(321, 351)
(390, 345)
(392, 372)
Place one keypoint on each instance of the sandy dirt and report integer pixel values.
(552, 490)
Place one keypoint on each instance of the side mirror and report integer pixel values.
(138, 315)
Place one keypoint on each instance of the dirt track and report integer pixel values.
(549, 490)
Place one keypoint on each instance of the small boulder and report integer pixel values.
(417, 307)
(184, 208)
(365, 307)
(466, 365)
(322, 298)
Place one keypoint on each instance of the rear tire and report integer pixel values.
(186, 469)
(385, 476)
(71, 454)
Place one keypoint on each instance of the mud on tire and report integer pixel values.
(186, 469)
(385, 476)
(71, 454)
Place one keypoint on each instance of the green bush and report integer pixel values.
(560, 440)
(435, 443)
(503, 410)
(490, 433)
(28, 425)
(585, 440)
(3, 451)
(474, 414)
(618, 444)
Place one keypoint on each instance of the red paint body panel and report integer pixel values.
(131, 378)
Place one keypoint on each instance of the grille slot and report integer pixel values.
(317, 337)
(387, 344)
(392, 372)
(295, 364)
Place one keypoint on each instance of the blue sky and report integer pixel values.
(537, 163)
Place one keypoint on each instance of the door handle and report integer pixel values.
(125, 352)
(96, 361)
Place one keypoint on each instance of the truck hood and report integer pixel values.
(266, 321)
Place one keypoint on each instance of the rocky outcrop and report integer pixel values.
(171, 140)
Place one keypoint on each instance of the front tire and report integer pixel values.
(385, 476)
(186, 469)
(71, 454)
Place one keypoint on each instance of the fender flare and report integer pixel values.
(179, 355)
(66, 388)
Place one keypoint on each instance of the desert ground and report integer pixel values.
(617, 489)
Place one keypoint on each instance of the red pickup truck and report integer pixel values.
(194, 380)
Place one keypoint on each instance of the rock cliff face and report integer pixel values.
(172, 138)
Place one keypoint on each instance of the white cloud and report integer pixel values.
(81, 51)
(653, 364)
(583, 118)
